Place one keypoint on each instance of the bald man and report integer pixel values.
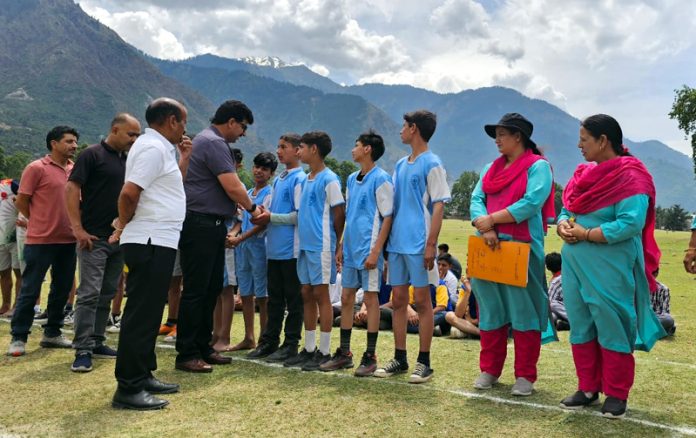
(91, 197)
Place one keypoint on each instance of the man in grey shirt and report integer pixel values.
(213, 191)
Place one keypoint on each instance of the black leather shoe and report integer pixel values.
(263, 350)
(140, 401)
(154, 386)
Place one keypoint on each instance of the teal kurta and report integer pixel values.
(604, 286)
(500, 304)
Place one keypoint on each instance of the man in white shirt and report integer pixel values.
(151, 209)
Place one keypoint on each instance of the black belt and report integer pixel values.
(204, 219)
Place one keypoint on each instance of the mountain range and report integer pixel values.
(60, 66)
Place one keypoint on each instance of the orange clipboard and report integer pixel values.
(507, 265)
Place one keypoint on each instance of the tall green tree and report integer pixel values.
(676, 218)
(461, 194)
(557, 198)
(343, 169)
(14, 164)
(684, 111)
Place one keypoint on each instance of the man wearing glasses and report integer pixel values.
(213, 191)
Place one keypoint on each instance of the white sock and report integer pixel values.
(325, 342)
(310, 340)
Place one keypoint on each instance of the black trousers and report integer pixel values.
(149, 272)
(283, 292)
(202, 255)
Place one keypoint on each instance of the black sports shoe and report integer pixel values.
(392, 367)
(579, 400)
(261, 351)
(282, 354)
(299, 360)
(338, 361)
(368, 365)
(614, 408)
(315, 362)
(421, 374)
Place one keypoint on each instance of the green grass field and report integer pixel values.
(42, 397)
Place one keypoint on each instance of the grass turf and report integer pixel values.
(42, 397)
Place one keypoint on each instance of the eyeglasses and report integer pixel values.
(243, 125)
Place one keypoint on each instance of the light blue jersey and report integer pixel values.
(368, 202)
(262, 198)
(314, 218)
(282, 241)
(417, 185)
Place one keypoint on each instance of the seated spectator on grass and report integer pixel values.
(444, 269)
(440, 301)
(660, 304)
(464, 319)
(558, 311)
(456, 269)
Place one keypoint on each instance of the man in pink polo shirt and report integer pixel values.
(50, 242)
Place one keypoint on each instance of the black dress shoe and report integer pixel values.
(140, 401)
(263, 350)
(154, 386)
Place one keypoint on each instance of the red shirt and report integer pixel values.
(44, 181)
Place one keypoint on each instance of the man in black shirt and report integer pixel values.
(96, 180)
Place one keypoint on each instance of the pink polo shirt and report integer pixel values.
(44, 181)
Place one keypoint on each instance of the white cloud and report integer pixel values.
(320, 70)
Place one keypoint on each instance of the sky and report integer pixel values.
(620, 57)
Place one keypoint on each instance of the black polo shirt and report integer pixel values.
(100, 170)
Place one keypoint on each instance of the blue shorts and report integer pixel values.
(369, 281)
(316, 267)
(251, 265)
(230, 277)
(408, 269)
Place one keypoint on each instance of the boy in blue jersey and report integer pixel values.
(369, 205)
(420, 191)
(282, 249)
(319, 220)
(250, 254)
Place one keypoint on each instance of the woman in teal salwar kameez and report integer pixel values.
(609, 258)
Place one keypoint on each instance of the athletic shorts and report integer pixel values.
(368, 280)
(316, 267)
(9, 258)
(252, 269)
(408, 269)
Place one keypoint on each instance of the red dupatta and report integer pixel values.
(595, 186)
(505, 186)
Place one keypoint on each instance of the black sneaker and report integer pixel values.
(263, 350)
(421, 374)
(579, 400)
(41, 318)
(392, 367)
(368, 365)
(338, 361)
(299, 360)
(282, 354)
(614, 408)
(315, 362)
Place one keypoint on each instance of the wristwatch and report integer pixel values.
(252, 208)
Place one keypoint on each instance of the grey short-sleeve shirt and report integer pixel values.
(211, 157)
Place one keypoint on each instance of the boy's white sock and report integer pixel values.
(310, 340)
(325, 342)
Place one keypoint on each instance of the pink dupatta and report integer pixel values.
(595, 186)
(503, 187)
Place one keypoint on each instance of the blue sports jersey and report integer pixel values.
(282, 241)
(368, 202)
(314, 218)
(263, 197)
(417, 185)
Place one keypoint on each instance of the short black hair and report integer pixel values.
(232, 109)
(57, 134)
(371, 138)
(444, 247)
(445, 258)
(553, 262)
(238, 155)
(424, 120)
(292, 138)
(266, 160)
(319, 138)
(161, 109)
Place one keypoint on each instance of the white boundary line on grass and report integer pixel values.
(475, 395)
